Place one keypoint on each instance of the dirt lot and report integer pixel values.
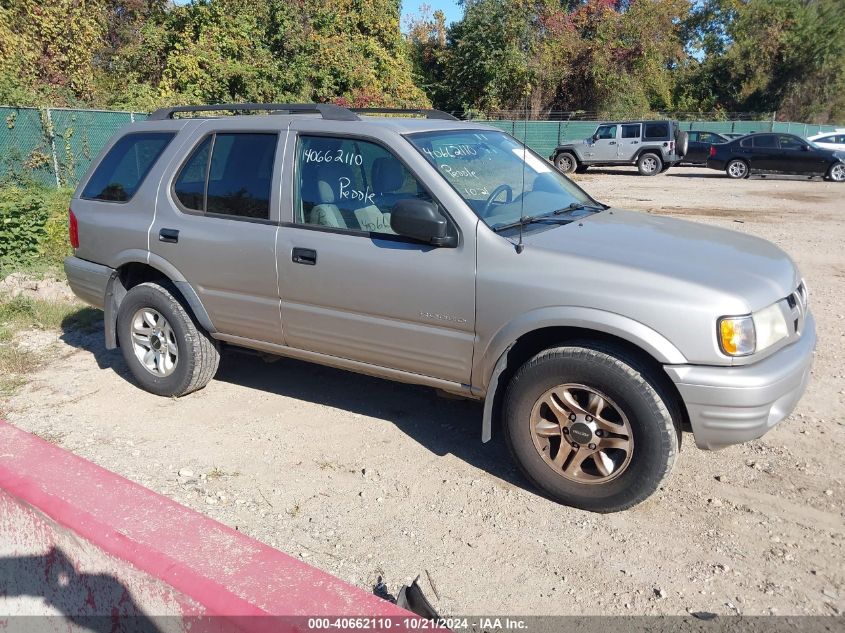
(363, 477)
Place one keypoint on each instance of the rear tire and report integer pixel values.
(649, 164)
(566, 162)
(597, 469)
(737, 169)
(168, 353)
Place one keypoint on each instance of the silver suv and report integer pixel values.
(442, 253)
(653, 146)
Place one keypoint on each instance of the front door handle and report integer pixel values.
(612, 143)
(168, 235)
(305, 256)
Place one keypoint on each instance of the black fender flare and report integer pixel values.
(116, 291)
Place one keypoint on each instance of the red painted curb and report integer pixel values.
(230, 574)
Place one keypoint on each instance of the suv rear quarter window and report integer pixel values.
(659, 131)
(122, 171)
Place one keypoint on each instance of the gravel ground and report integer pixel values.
(363, 477)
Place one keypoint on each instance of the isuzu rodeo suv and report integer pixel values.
(443, 253)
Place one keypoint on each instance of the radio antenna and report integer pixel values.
(520, 246)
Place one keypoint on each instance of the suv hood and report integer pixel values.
(695, 262)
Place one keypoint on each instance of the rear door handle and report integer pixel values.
(168, 235)
(612, 143)
(305, 256)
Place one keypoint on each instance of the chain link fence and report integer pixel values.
(55, 146)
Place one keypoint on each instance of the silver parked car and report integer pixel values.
(441, 253)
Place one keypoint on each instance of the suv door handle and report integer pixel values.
(612, 143)
(168, 235)
(305, 256)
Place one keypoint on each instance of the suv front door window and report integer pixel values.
(350, 184)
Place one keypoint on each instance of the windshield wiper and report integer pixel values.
(577, 206)
(547, 217)
(531, 219)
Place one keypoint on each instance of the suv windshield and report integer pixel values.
(498, 177)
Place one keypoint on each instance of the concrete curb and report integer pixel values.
(168, 557)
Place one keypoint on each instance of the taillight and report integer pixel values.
(712, 151)
(73, 229)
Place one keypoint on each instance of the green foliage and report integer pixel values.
(769, 55)
(33, 226)
(609, 57)
(141, 54)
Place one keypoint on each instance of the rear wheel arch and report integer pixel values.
(134, 273)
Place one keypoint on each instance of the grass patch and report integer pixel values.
(20, 313)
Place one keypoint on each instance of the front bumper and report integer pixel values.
(731, 405)
(88, 280)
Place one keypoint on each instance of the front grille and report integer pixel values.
(797, 303)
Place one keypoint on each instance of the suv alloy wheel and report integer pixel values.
(566, 162)
(591, 426)
(649, 164)
(167, 352)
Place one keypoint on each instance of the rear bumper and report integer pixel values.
(731, 405)
(88, 280)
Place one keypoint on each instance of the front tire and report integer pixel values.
(836, 173)
(591, 426)
(566, 162)
(737, 169)
(168, 353)
(649, 164)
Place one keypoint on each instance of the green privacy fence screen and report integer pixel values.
(544, 136)
(55, 146)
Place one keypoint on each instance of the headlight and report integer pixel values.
(770, 326)
(744, 335)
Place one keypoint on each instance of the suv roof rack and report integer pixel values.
(427, 112)
(329, 111)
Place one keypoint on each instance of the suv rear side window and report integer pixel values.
(631, 131)
(123, 169)
(229, 174)
(656, 131)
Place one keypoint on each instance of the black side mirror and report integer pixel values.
(805, 148)
(420, 220)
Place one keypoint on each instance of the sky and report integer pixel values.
(450, 9)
